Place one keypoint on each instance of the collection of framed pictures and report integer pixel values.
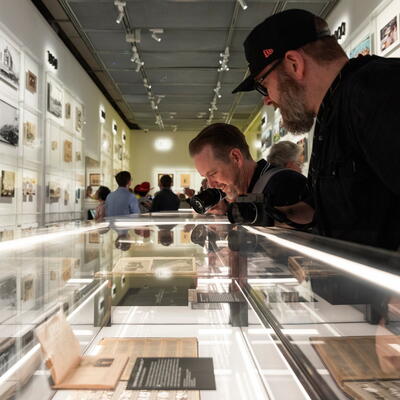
(29, 135)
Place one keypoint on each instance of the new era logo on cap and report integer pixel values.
(268, 52)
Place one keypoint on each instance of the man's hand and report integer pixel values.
(300, 213)
(219, 209)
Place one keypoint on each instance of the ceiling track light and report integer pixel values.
(155, 32)
(121, 13)
(243, 4)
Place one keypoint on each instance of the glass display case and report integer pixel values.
(281, 314)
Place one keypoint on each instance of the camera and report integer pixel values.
(250, 209)
(206, 199)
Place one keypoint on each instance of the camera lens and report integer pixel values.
(242, 213)
(206, 199)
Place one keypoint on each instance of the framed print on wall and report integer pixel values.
(9, 123)
(388, 37)
(185, 180)
(30, 134)
(9, 63)
(67, 151)
(78, 119)
(54, 99)
(94, 179)
(7, 183)
(364, 48)
(31, 82)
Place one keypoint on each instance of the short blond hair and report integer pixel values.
(283, 152)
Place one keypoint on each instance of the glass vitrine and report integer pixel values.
(282, 314)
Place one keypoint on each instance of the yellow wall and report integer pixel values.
(144, 158)
(251, 133)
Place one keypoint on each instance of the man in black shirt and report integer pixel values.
(165, 199)
(299, 67)
(221, 154)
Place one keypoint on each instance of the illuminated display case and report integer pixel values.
(282, 314)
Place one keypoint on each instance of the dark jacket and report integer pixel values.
(355, 165)
(165, 200)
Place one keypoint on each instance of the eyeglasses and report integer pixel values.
(258, 83)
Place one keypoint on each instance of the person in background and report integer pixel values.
(89, 193)
(165, 199)
(286, 154)
(121, 201)
(101, 196)
(141, 192)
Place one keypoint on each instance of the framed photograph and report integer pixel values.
(54, 99)
(7, 183)
(94, 179)
(28, 189)
(8, 297)
(160, 175)
(27, 288)
(94, 237)
(30, 134)
(9, 63)
(78, 119)
(54, 191)
(9, 123)
(364, 48)
(66, 269)
(67, 110)
(388, 35)
(31, 82)
(185, 180)
(67, 151)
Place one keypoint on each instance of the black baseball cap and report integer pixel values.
(270, 40)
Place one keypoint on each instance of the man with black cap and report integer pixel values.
(299, 67)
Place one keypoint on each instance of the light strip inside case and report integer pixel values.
(370, 274)
(24, 242)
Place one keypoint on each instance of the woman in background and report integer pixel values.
(100, 196)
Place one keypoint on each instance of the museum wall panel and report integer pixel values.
(49, 121)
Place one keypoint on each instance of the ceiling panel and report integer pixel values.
(183, 66)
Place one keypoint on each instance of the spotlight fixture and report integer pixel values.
(243, 4)
(217, 90)
(155, 32)
(224, 60)
(121, 13)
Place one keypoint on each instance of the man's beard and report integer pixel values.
(292, 104)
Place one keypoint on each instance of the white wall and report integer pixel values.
(22, 20)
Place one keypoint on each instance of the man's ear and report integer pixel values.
(237, 157)
(295, 64)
